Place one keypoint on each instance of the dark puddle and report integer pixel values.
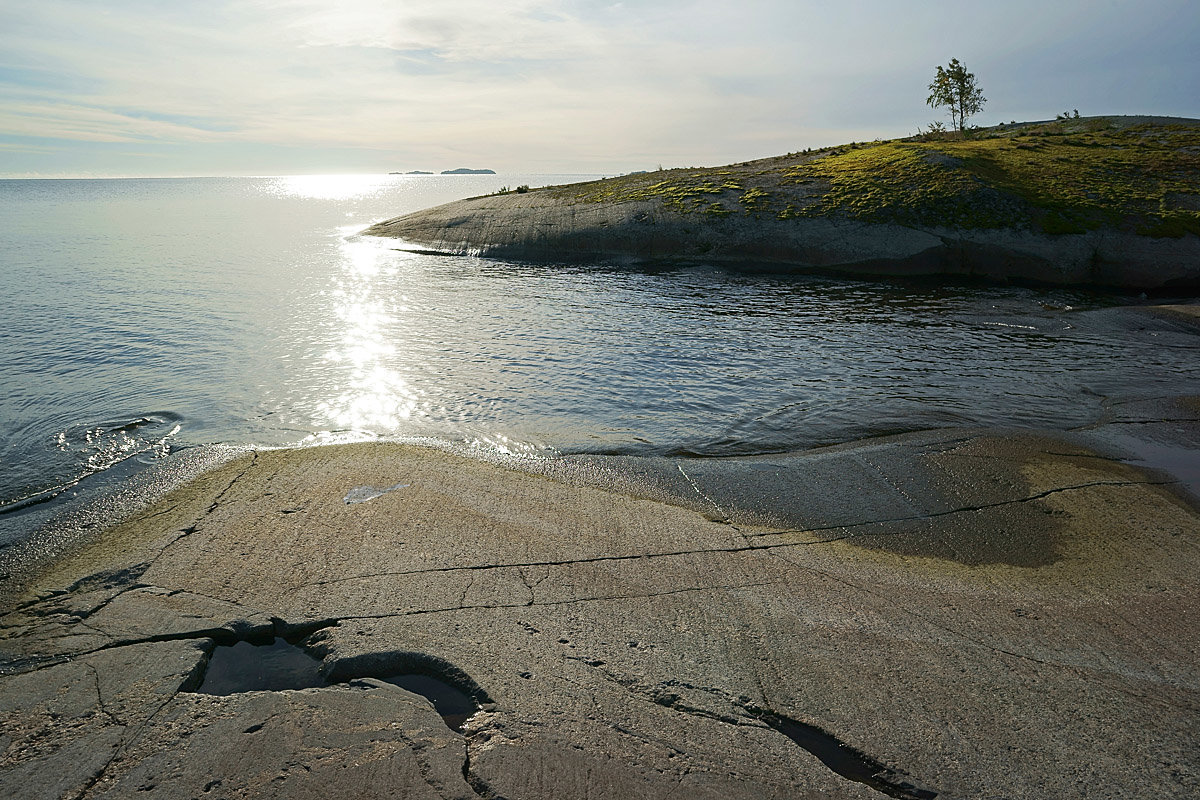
(454, 706)
(276, 664)
(845, 760)
(263, 667)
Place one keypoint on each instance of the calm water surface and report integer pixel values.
(144, 317)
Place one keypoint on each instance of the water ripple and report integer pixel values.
(253, 310)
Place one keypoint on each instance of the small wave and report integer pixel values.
(163, 418)
(95, 447)
(36, 498)
(1010, 325)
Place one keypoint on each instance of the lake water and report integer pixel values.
(144, 318)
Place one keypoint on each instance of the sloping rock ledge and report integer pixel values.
(947, 614)
(549, 226)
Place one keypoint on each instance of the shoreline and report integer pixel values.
(629, 645)
(106, 498)
(641, 233)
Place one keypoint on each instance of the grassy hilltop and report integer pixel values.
(1066, 176)
(1105, 201)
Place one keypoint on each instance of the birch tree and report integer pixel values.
(955, 88)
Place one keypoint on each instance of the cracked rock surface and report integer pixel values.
(960, 614)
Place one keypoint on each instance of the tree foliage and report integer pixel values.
(955, 88)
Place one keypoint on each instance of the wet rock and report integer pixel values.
(1184, 314)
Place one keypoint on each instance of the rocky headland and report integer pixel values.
(1100, 201)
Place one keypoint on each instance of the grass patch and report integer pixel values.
(1067, 176)
(755, 200)
(683, 194)
(900, 182)
(1085, 179)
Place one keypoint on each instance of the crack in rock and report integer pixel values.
(950, 512)
(129, 736)
(478, 785)
(217, 500)
(721, 515)
(750, 547)
(596, 599)
(841, 758)
(228, 634)
(100, 698)
(84, 614)
(184, 533)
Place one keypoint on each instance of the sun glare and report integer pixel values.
(331, 187)
(371, 395)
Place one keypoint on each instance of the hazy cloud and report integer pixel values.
(540, 85)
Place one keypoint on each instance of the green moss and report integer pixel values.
(1173, 224)
(755, 200)
(894, 182)
(683, 195)
(1080, 180)
(1063, 177)
(789, 212)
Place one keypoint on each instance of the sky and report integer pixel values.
(274, 87)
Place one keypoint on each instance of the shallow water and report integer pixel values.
(143, 317)
(269, 666)
(276, 664)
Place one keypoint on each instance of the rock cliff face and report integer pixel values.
(1103, 202)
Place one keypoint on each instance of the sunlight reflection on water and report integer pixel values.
(331, 187)
(372, 393)
(172, 313)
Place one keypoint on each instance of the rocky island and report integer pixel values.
(1100, 201)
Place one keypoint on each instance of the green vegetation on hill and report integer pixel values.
(1067, 176)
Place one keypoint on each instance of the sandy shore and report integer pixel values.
(952, 613)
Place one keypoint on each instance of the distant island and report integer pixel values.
(1092, 201)
(459, 171)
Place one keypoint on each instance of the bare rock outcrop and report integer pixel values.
(945, 614)
(548, 227)
(1107, 202)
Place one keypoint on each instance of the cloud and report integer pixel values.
(463, 31)
(550, 84)
(96, 125)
